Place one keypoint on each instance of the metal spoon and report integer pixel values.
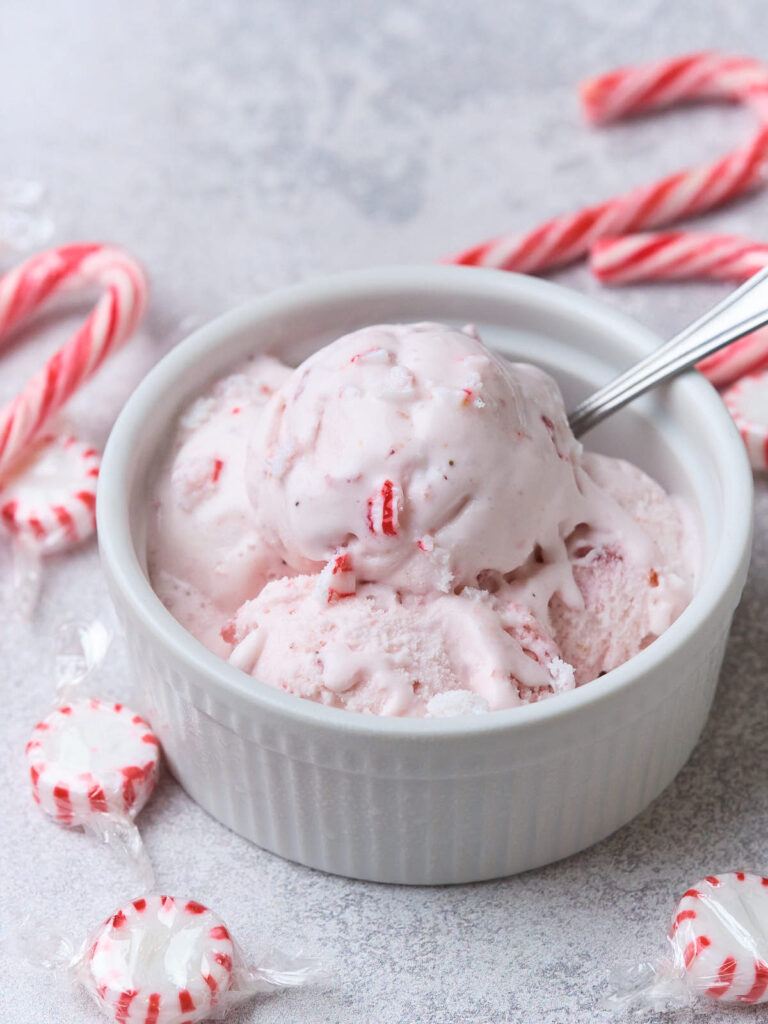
(741, 312)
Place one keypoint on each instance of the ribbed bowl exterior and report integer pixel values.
(455, 800)
(391, 810)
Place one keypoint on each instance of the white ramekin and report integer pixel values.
(449, 800)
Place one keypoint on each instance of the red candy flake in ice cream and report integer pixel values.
(337, 580)
(194, 479)
(228, 632)
(471, 395)
(551, 428)
(374, 355)
(343, 578)
(383, 509)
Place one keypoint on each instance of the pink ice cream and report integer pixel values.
(206, 554)
(392, 653)
(420, 453)
(625, 602)
(405, 525)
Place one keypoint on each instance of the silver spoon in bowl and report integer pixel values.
(741, 312)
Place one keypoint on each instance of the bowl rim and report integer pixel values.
(121, 561)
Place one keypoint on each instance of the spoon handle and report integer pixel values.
(741, 312)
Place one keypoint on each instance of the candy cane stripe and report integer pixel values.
(677, 255)
(109, 325)
(632, 90)
(706, 75)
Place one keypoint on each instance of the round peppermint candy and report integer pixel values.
(720, 937)
(159, 960)
(49, 501)
(90, 758)
(747, 402)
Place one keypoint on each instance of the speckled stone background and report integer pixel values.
(236, 147)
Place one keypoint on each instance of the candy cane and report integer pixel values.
(113, 320)
(695, 76)
(747, 402)
(629, 90)
(677, 255)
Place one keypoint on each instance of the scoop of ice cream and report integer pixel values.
(384, 652)
(630, 594)
(419, 452)
(458, 550)
(205, 555)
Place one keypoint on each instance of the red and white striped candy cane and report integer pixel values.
(747, 401)
(113, 320)
(629, 90)
(679, 255)
(663, 83)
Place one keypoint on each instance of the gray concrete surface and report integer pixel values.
(237, 147)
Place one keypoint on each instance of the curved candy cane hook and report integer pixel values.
(113, 320)
(632, 90)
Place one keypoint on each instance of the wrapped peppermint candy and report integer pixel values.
(93, 764)
(48, 480)
(718, 942)
(164, 960)
(48, 505)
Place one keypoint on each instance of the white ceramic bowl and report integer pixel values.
(455, 800)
